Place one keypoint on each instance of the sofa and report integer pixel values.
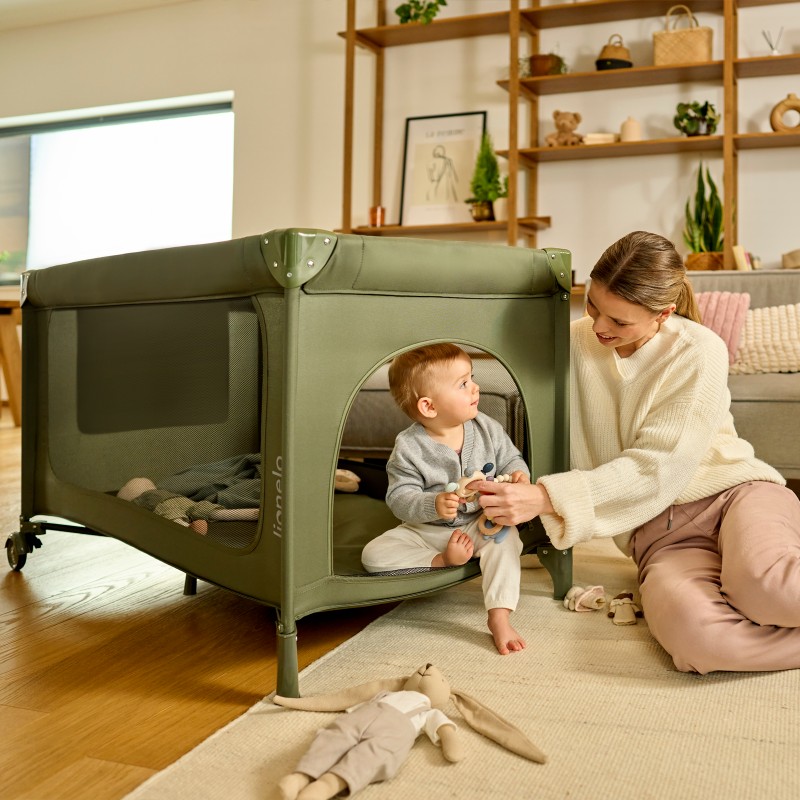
(765, 407)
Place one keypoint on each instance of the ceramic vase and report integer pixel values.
(500, 209)
(631, 131)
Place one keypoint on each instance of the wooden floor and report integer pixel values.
(108, 673)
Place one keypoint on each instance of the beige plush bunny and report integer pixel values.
(370, 743)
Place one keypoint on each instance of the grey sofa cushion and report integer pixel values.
(767, 287)
(771, 387)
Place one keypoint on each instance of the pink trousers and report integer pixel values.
(721, 587)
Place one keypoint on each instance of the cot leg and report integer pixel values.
(190, 584)
(288, 681)
(559, 564)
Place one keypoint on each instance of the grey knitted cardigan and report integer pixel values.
(419, 469)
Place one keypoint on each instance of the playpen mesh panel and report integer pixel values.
(147, 391)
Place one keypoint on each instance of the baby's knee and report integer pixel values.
(374, 554)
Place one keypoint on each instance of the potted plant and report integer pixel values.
(486, 186)
(703, 230)
(694, 119)
(419, 11)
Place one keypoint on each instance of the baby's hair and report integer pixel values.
(411, 373)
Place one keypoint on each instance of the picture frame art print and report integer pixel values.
(438, 162)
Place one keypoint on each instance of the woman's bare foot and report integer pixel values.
(506, 639)
(458, 552)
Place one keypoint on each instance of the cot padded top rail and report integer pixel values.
(253, 265)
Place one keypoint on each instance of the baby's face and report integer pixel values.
(456, 395)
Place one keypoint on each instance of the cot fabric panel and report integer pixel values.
(205, 270)
(367, 264)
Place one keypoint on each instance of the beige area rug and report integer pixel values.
(603, 701)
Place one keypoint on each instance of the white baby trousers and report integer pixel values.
(416, 545)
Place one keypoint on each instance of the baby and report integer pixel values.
(433, 385)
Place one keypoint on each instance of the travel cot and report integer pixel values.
(255, 350)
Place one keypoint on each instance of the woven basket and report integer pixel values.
(705, 261)
(615, 49)
(685, 46)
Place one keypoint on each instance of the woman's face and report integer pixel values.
(621, 324)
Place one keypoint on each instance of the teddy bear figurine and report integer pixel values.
(565, 136)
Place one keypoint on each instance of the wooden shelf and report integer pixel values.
(436, 31)
(650, 147)
(757, 141)
(755, 3)
(620, 78)
(579, 289)
(590, 13)
(525, 223)
(768, 65)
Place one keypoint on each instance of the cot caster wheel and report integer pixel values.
(15, 560)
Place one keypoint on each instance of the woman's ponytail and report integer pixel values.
(686, 304)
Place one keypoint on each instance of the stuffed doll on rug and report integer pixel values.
(385, 718)
(623, 611)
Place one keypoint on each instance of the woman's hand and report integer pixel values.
(512, 503)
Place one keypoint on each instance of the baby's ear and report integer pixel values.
(426, 408)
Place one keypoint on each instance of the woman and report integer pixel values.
(657, 464)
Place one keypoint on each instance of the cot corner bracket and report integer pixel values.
(295, 255)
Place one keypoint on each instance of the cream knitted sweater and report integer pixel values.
(646, 432)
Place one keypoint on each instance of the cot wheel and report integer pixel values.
(15, 560)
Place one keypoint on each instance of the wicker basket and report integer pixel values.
(686, 46)
(705, 261)
(615, 49)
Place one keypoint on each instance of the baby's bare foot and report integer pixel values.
(459, 550)
(506, 639)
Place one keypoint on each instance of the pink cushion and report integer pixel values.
(725, 313)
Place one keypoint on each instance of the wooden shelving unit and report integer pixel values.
(649, 147)
(618, 78)
(529, 21)
(525, 224)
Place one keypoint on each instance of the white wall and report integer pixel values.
(285, 65)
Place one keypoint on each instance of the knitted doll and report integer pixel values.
(623, 610)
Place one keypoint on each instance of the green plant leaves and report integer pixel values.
(419, 11)
(689, 117)
(703, 229)
(485, 183)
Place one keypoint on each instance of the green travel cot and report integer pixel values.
(145, 364)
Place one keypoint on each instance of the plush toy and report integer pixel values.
(370, 743)
(623, 610)
(485, 525)
(566, 122)
(346, 481)
(579, 599)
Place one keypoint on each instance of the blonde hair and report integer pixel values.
(411, 374)
(645, 269)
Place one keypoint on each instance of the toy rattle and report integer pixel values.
(485, 525)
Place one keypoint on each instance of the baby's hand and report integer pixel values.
(447, 505)
(518, 476)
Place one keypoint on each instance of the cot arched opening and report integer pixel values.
(373, 422)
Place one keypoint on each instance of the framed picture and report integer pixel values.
(438, 162)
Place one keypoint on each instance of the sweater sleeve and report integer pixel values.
(646, 477)
(406, 495)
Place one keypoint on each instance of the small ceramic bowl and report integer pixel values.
(612, 63)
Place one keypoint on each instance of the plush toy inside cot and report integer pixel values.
(268, 355)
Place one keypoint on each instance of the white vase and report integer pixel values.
(500, 208)
(631, 131)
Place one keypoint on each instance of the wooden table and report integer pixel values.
(10, 355)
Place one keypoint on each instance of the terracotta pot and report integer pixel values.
(482, 211)
(546, 64)
(705, 261)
